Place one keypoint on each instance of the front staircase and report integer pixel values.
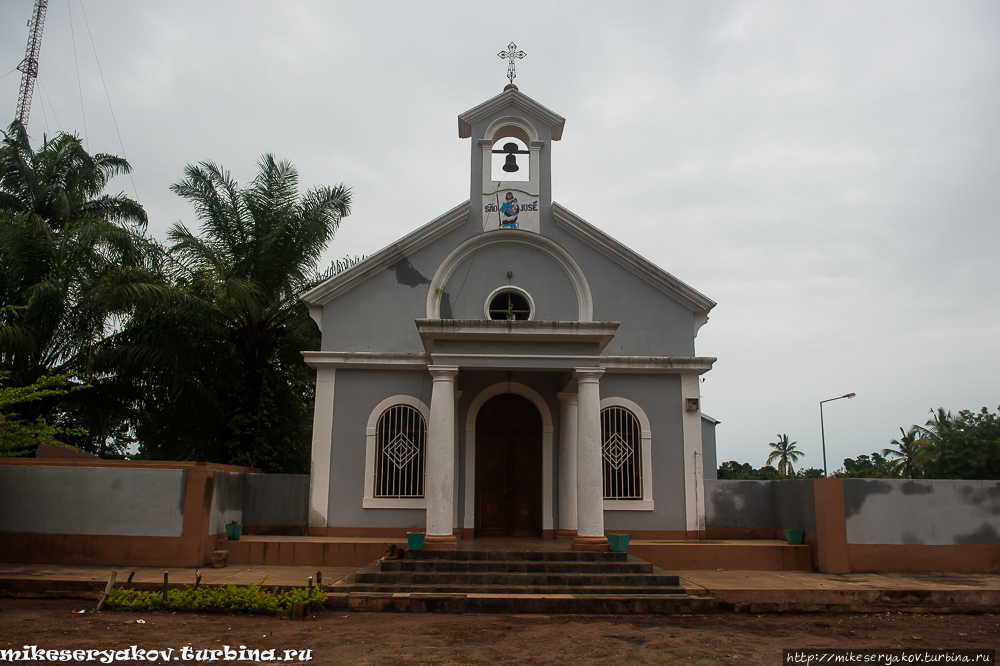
(512, 581)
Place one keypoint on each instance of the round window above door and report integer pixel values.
(509, 304)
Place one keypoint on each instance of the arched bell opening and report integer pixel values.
(510, 162)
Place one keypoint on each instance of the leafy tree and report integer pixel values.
(910, 455)
(865, 467)
(19, 437)
(786, 454)
(228, 382)
(734, 470)
(966, 446)
(74, 262)
(810, 473)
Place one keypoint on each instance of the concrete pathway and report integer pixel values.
(755, 591)
(41, 577)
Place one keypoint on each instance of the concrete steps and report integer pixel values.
(514, 582)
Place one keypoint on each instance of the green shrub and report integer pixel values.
(227, 598)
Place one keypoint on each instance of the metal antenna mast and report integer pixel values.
(29, 66)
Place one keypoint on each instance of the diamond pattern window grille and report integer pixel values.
(399, 462)
(621, 438)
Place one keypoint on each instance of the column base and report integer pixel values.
(440, 542)
(565, 535)
(598, 543)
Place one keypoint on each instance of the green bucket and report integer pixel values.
(619, 542)
(794, 536)
(415, 540)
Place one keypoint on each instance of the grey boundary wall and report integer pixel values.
(259, 499)
(927, 512)
(760, 504)
(276, 499)
(92, 500)
(140, 502)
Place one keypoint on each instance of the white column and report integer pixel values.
(322, 443)
(439, 478)
(694, 473)
(455, 520)
(567, 466)
(589, 486)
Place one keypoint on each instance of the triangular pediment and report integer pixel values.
(511, 96)
(330, 288)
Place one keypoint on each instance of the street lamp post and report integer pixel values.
(822, 430)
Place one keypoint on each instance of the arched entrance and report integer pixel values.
(508, 468)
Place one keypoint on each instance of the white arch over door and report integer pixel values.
(536, 399)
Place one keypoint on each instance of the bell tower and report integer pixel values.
(510, 170)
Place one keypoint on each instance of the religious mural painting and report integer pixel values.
(510, 209)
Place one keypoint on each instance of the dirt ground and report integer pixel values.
(402, 639)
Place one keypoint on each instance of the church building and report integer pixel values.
(508, 369)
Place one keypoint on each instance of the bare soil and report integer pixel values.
(402, 639)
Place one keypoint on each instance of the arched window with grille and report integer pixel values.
(625, 456)
(396, 454)
(399, 462)
(621, 437)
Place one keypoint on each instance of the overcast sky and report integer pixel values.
(829, 173)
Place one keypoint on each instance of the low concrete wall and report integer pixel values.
(735, 509)
(228, 493)
(85, 500)
(276, 499)
(117, 513)
(868, 525)
(923, 525)
(931, 512)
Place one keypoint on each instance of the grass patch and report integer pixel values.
(228, 598)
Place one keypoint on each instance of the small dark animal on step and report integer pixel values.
(393, 552)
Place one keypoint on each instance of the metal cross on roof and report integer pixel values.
(510, 54)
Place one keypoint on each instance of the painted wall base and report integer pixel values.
(590, 543)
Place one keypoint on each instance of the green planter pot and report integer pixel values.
(794, 537)
(233, 532)
(619, 542)
(415, 540)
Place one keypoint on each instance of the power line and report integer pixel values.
(45, 97)
(79, 85)
(107, 94)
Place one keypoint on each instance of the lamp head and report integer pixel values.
(849, 395)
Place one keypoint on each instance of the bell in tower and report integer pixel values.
(512, 136)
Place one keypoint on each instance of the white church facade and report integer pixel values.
(508, 369)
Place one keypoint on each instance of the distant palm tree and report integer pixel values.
(910, 455)
(786, 454)
(940, 426)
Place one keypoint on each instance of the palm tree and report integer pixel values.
(940, 426)
(786, 454)
(61, 183)
(73, 261)
(910, 455)
(256, 253)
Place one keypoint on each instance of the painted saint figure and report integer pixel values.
(508, 212)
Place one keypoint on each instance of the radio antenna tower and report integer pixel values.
(29, 66)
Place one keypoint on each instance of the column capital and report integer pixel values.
(588, 375)
(567, 398)
(443, 372)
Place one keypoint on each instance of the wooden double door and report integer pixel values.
(508, 468)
